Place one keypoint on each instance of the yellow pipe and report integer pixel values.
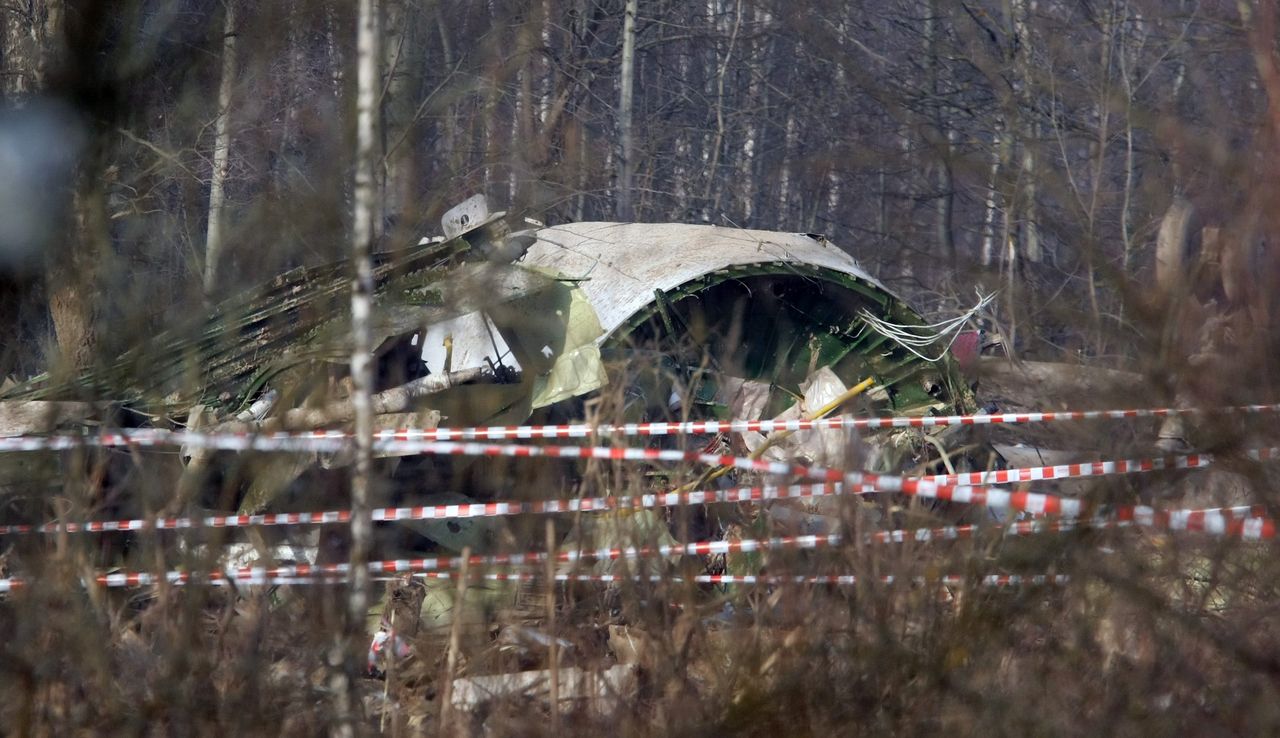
(847, 395)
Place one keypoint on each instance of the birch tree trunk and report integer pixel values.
(713, 189)
(402, 41)
(1031, 250)
(945, 202)
(365, 195)
(362, 295)
(22, 45)
(626, 99)
(991, 204)
(221, 151)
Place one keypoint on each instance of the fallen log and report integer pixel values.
(25, 417)
(1053, 385)
(395, 400)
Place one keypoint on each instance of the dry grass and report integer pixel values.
(1155, 633)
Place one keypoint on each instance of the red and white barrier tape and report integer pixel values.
(1031, 502)
(1092, 469)
(1234, 521)
(1247, 522)
(670, 499)
(183, 578)
(329, 440)
(444, 512)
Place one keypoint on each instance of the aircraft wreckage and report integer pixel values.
(489, 326)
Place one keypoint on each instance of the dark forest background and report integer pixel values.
(1022, 144)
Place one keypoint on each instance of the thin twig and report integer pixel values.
(455, 637)
(553, 646)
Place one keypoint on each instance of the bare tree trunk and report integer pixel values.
(334, 50)
(221, 150)
(296, 51)
(72, 279)
(391, 105)
(1126, 226)
(991, 204)
(882, 206)
(580, 201)
(1097, 151)
(626, 160)
(362, 293)
(1031, 250)
(945, 207)
(790, 136)
(19, 63)
(713, 183)
(759, 185)
(1030, 233)
(1173, 247)
(450, 125)
(366, 207)
(508, 153)
(492, 148)
(945, 203)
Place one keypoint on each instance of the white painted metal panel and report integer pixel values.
(621, 264)
(476, 342)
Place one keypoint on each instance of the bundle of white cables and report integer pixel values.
(916, 337)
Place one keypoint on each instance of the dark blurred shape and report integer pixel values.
(40, 145)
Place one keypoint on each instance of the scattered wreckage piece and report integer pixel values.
(601, 692)
(486, 326)
(764, 306)
(758, 305)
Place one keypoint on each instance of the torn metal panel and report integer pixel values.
(619, 265)
(577, 368)
(469, 341)
(761, 306)
(467, 216)
(456, 535)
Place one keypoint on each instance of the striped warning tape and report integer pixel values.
(670, 499)
(1189, 519)
(992, 497)
(332, 440)
(1093, 469)
(442, 512)
(1233, 521)
(13, 584)
(938, 487)
(1248, 522)
(950, 580)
